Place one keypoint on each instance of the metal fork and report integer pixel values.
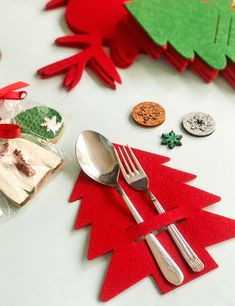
(137, 179)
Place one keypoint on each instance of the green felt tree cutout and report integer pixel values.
(192, 27)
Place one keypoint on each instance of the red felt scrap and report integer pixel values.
(114, 229)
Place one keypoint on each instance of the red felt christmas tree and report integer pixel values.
(114, 230)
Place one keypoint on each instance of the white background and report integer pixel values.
(42, 259)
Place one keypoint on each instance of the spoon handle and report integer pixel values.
(167, 265)
(185, 249)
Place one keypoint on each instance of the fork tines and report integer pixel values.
(126, 153)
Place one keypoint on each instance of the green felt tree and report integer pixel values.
(192, 27)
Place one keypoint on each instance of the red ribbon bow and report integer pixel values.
(8, 92)
(9, 131)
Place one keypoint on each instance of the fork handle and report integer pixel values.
(185, 249)
(167, 265)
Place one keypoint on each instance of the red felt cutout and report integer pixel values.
(97, 24)
(55, 4)
(114, 229)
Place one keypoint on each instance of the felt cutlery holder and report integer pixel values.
(113, 228)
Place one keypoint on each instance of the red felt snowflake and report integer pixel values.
(114, 230)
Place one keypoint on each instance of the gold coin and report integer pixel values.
(148, 114)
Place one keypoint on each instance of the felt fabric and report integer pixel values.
(163, 28)
(113, 228)
(191, 27)
(95, 24)
(109, 24)
(203, 70)
(55, 4)
(198, 34)
(229, 74)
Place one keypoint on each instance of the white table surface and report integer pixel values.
(42, 259)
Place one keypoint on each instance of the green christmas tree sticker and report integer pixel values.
(192, 27)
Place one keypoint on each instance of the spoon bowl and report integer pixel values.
(97, 157)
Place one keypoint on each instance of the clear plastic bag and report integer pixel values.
(6, 209)
(26, 162)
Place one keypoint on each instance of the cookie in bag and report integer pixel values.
(41, 121)
(25, 166)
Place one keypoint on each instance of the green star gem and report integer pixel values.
(171, 140)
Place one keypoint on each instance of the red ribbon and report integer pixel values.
(10, 131)
(9, 93)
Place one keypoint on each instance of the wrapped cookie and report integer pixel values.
(25, 165)
(41, 121)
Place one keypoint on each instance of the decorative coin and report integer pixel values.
(148, 114)
(199, 124)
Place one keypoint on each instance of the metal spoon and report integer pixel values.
(97, 158)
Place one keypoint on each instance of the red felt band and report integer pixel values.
(9, 131)
(156, 222)
(8, 92)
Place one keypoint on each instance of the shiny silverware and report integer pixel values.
(137, 179)
(97, 158)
